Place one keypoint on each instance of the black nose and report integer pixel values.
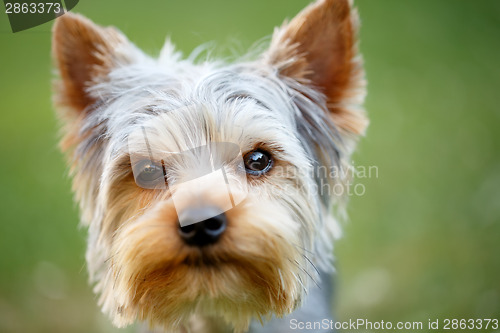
(204, 232)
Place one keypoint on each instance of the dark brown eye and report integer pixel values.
(257, 162)
(149, 174)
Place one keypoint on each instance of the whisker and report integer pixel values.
(314, 266)
(305, 271)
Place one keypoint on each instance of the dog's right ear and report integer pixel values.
(84, 54)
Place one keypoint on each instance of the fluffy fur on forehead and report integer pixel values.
(138, 91)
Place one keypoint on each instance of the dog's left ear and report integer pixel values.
(319, 47)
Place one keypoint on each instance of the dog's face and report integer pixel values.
(199, 182)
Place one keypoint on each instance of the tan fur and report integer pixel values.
(157, 278)
(161, 280)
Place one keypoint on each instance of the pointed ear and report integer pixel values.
(319, 47)
(84, 54)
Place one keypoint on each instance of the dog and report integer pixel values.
(198, 180)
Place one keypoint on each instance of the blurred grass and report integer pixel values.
(423, 242)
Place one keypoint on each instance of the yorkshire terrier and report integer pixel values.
(198, 180)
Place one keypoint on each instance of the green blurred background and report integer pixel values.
(422, 242)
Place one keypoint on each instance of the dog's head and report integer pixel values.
(206, 186)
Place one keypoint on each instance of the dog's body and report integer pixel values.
(203, 185)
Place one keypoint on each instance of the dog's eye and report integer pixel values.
(257, 162)
(148, 174)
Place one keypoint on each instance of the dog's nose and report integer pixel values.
(203, 232)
